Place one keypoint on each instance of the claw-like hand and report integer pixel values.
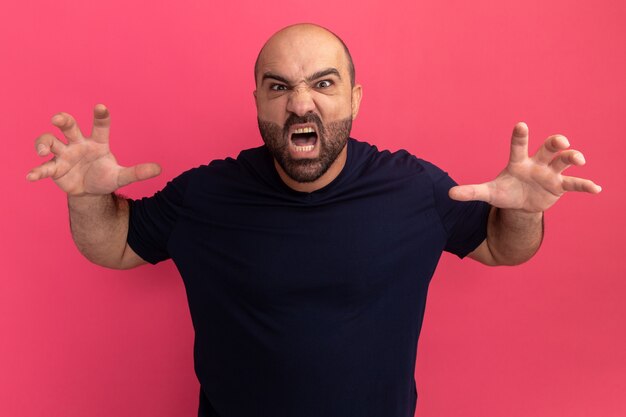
(85, 165)
(530, 183)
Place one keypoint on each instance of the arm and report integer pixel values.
(87, 171)
(519, 196)
(513, 237)
(99, 226)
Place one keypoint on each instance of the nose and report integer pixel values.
(300, 102)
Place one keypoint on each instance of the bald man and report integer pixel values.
(307, 260)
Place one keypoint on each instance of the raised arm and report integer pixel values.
(520, 194)
(85, 169)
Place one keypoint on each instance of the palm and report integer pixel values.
(85, 165)
(530, 183)
(86, 168)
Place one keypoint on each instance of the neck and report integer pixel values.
(308, 187)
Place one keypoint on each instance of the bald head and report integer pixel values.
(301, 34)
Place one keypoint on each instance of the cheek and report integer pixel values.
(334, 107)
(274, 109)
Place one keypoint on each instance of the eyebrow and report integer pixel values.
(319, 74)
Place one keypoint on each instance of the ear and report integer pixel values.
(255, 99)
(357, 93)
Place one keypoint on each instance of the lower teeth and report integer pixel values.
(304, 148)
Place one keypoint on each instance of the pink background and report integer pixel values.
(446, 80)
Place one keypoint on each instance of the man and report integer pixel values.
(306, 261)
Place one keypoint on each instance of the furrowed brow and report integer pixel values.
(318, 74)
(272, 76)
(323, 73)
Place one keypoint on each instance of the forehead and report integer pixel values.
(297, 55)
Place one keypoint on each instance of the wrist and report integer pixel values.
(523, 214)
(94, 202)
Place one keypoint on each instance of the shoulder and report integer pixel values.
(368, 158)
(250, 173)
(248, 162)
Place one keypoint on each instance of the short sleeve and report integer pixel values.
(465, 223)
(152, 220)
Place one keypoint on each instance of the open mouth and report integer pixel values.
(304, 139)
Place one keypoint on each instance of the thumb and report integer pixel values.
(138, 172)
(479, 192)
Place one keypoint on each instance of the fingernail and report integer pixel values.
(41, 148)
(579, 158)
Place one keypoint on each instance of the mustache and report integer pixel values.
(307, 118)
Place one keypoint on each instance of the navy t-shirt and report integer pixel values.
(307, 304)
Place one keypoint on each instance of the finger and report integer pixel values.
(47, 143)
(580, 185)
(101, 123)
(137, 173)
(45, 170)
(68, 126)
(549, 149)
(480, 192)
(519, 143)
(565, 159)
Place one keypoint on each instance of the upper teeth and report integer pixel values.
(304, 130)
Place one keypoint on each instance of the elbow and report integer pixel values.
(106, 262)
(513, 255)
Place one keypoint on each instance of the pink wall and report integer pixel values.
(446, 80)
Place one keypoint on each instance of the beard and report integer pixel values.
(332, 138)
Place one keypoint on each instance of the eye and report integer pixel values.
(323, 84)
(278, 87)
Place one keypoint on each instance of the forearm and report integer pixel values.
(513, 236)
(99, 225)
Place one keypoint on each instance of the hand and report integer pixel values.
(85, 165)
(531, 184)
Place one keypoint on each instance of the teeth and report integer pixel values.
(304, 148)
(304, 130)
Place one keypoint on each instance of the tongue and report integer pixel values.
(304, 139)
